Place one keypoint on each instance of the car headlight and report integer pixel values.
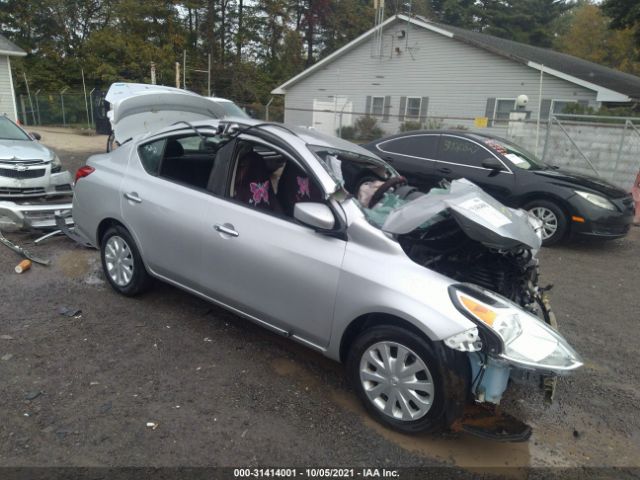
(517, 336)
(56, 164)
(597, 200)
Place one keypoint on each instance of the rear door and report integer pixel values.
(460, 157)
(413, 156)
(162, 211)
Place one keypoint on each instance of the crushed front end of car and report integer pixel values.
(491, 252)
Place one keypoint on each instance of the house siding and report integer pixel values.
(7, 105)
(456, 78)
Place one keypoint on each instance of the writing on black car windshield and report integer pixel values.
(518, 156)
(9, 131)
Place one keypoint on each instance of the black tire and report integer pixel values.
(561, 216)
(449, 371)
(140, 280)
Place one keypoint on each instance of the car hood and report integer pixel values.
(17, 150)
(479, 215)
(139, 108)
(577, 180)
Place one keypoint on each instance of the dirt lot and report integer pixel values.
(80, 391)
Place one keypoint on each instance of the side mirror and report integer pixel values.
(493, 164)
(35, 135)
(315, 215)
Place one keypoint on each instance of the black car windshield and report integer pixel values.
(517, 155)
(10, 131)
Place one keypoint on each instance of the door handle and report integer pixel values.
(226, 229)
(444, 170)
(133, 196)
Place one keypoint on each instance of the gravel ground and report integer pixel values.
(222, 391)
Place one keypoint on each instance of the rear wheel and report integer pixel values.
(122, 263)
(553, 218)
(405, 382)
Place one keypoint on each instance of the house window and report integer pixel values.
(377, 106)
(413, 107)
(558, 106)
(504, 106)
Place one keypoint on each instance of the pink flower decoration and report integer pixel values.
(303, 187)
(260, 192)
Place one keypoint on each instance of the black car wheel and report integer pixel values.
(553, 218)
(122, 263)
(403, 382)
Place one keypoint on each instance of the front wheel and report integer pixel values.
(554, 220)
(406, 382)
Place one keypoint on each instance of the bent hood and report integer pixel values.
(20, 150)
(479, 215)
(139, 108)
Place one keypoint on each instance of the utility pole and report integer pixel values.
(177, 74)
(86, 104)
(153, 73)
(33, 114)
(184, 69)
(208, 74)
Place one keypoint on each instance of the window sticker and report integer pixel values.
(485, 211)
(515, 158)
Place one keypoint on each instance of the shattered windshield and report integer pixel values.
(350, 169)
(9, 131)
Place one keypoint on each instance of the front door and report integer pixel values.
(264, 263)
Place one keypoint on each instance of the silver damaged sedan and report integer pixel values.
(431, 300)
(27, 168)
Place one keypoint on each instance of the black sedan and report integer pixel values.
(568, 204)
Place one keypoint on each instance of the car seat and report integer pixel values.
(296, 186)
(252, 183)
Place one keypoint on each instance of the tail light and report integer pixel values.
(84, 172)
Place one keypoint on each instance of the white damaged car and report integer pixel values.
(27, 168)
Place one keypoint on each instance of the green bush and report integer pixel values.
(366, 128)
(347, 132)
(410, 125)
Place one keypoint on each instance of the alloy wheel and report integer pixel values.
(119, 261)
(549, 221)
(396, 381)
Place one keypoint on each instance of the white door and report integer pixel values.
(327, 115)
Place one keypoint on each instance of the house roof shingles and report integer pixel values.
(9, 48)
(615, 80)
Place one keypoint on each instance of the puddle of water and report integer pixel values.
(74, 264)
(464, 451)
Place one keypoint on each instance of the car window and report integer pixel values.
(422, 146)
(189, 159)
(268, 180)
(518, 156)
(9, 130)
(151, 155)
(462, 151)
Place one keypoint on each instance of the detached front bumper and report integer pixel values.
(33, 216)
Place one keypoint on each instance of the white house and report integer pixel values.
(410, 68)
(7, 94)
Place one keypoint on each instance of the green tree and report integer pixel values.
(589, 36)
(624, 14)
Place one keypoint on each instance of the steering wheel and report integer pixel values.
(392, 182)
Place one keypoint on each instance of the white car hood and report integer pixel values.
(18, 150)
(139, 108)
